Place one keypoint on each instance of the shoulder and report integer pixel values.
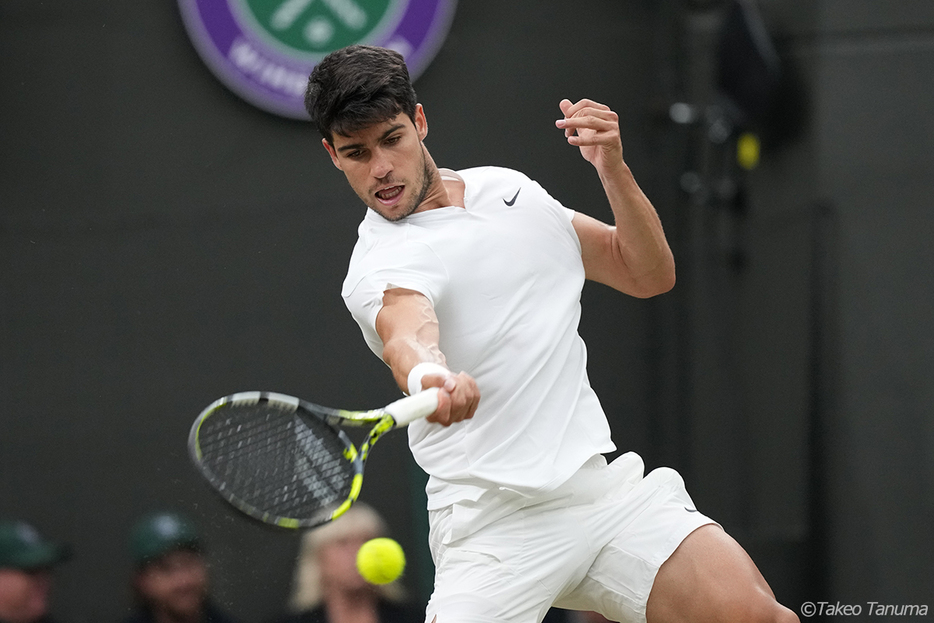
(498, 181)
(387, 246)
(400, 260)
(492, 174)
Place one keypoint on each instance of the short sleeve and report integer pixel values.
(564, 214)
(411, 265)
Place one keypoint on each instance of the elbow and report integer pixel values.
(659, 282)
(666, 278)
(669, 284)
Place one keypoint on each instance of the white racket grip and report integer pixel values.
(411, 408)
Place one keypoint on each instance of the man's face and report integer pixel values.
(24, 595)
(387, 165)
(176, 583)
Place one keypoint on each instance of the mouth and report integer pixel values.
(390, 195)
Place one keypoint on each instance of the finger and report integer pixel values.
(565, 105)
(474, 403)
(459, 404)
(608, 122)
(451, 390)
(590, 115)
(577, 107)
(471, 397)
(434, 380)
(598, 121)
(590, 138)
(442, 414)
(457, 401)
(594, 139)
(582, 107)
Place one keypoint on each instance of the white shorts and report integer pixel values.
(595, 543)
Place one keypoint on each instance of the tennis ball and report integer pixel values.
(380, 561)
(748, 148)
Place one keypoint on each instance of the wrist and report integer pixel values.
(414, 381)
(615, 172)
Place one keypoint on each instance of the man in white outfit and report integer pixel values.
(470, 281)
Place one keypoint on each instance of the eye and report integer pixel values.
(392, 140)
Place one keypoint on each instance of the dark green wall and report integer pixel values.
(163, 243)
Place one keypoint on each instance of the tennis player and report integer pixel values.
(471, 281)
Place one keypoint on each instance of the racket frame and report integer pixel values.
(395, 415)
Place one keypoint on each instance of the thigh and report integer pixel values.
(509, 571)
(711, 578)
(647, 525)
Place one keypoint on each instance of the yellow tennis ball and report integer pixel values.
(748, 149)
(380, 561)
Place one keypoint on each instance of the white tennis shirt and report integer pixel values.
(504, 276)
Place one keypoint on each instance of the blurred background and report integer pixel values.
(163, 242)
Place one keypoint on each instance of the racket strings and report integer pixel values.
(275, 460)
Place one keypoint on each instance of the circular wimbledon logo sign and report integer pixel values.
(263, 50)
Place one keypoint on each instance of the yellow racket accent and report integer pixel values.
(354, 492)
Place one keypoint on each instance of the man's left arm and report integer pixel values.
(633, 256)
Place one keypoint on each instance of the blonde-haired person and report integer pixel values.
(327, 587)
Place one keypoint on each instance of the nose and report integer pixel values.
(380, 165)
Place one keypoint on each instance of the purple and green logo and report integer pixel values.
(263, 50)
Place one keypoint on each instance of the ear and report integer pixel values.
(421, 122)
(331, 152)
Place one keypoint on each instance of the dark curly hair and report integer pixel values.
(357, 86)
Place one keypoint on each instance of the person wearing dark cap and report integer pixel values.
(171, 579)
(26, 562)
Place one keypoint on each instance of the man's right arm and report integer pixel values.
(408, 328)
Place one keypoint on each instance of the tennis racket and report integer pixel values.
(283, 461)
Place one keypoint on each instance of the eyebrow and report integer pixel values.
(385, 134)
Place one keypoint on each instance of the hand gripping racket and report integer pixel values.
(283, 461)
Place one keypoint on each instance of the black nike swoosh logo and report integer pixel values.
(690, 510)
(513, 200)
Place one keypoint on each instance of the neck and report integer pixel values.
(446, 187)
(352, 607)
(455, 187)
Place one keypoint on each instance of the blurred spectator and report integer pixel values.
(171, 579)
(327, 587)
(26, 562)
